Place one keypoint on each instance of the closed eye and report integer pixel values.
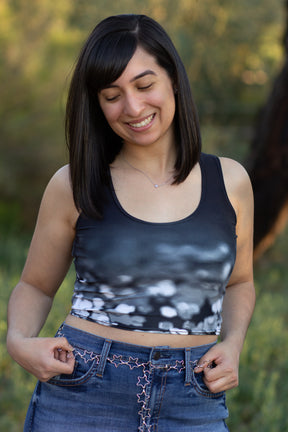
(112, 98)
(145, 87)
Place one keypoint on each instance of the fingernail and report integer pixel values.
(204, 364)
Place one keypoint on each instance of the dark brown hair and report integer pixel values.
(92, 143)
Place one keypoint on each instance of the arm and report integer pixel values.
(239, 300)
(47, 263)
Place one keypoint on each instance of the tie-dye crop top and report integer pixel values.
(157, 277)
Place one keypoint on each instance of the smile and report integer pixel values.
(143, 122)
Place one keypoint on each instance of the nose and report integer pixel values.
(133, 105)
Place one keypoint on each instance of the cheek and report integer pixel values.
(168, 105)
(163, 100)
(166, 97)
(111, 113)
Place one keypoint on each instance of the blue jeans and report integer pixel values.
(119, 387)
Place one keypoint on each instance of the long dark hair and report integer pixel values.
(92, 143)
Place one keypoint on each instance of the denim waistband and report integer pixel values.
(120, 353)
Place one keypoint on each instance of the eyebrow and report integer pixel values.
(141, 75)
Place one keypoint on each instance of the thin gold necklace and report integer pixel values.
(155, 185)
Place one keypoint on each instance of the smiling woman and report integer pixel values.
(140, 105)
(161, 236)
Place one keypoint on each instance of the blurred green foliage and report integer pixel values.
(258, 404)
(232, 51)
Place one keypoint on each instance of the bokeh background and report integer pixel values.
(234, 53)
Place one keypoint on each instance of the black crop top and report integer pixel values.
(157, 277)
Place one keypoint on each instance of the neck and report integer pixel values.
(156, 184)
(154, 162)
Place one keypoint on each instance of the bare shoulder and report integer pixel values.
(55, 228)
(58, 196)
(233, 170)
(237, 182)
(61, 180)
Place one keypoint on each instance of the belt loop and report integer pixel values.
(103, 358)
(188, 370)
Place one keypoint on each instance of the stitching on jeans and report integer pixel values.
(205, 393)
(33, 402)
(163, 389)
(144, 381)
(103, 358)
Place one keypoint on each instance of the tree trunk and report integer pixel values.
(268, 161)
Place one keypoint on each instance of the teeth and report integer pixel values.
(143, 123)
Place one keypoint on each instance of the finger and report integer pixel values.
(61, 367)
(62, 355)
(212, 375)
(217, 380)
(221, 384)
(56, 353)
(70, 361)
(204, 363)
(62, 349)
(63, 344)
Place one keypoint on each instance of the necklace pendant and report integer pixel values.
(155, 185)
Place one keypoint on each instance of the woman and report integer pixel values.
(161, 236)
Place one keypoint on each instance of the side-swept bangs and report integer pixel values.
(108, 59)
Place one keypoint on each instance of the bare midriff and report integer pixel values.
(139, 338)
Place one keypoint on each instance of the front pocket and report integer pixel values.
(84, 369)
(201, 388)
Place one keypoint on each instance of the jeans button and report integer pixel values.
(156, 355)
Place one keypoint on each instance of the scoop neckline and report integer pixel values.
(135, 219)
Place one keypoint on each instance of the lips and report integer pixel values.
(143, 123)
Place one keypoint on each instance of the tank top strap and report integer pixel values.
(213, 183)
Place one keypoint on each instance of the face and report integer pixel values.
(140, 105)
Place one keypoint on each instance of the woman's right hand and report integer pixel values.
(48, 260)
(43, 357)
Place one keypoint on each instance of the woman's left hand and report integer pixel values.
(220, 366)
